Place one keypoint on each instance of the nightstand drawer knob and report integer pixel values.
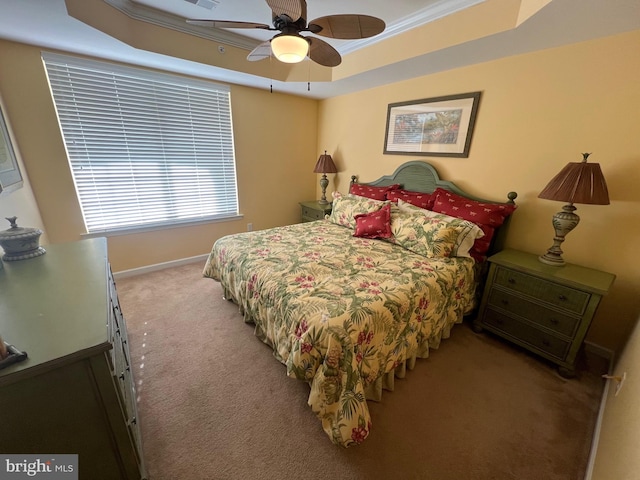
(504, 302)
(554, 321)
(512, 280)
(545, 342)
(562, 297)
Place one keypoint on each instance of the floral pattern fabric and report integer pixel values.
(341, 311)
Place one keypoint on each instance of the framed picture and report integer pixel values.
(440, 126)
(10, 177)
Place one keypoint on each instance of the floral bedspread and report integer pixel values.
(341, 311)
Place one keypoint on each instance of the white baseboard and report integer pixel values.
(609, 355)
(160, 266)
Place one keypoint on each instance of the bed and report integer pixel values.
(350, 302)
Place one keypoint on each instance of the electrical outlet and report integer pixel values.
(249, 227)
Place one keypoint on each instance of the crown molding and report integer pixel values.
(428, 14)
(174, 22)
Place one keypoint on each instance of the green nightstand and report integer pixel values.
(545, 309)
(314, 210)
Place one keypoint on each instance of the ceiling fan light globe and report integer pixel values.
(289, 48)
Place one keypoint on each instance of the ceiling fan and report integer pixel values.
(290, 18)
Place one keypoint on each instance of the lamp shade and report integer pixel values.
(289, 48)
(578, 182)
(325, 164)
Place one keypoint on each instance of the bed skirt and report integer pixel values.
(373, 391)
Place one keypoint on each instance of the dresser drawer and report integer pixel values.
(522, 332)
(310, 214)
(551, 319)
(563, 297)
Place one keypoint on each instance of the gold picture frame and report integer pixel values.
(439, 126)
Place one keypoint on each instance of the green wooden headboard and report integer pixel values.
(417, 176)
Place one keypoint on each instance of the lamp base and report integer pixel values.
(552, 258)
(563, 223)
(324, 183)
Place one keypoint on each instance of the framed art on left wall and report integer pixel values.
(439, 126)
(10, 177)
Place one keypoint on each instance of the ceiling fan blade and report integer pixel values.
(323, 53)
(292, 8)
(261, 52)
(227, 24)
(347, 26)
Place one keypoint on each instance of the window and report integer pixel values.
(146, 149)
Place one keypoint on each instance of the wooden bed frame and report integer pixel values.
(418, 176)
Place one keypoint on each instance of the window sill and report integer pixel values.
(151, 228)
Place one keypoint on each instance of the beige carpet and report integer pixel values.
(215, 404)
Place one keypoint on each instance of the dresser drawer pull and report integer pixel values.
(545, 342)
(562, 297)
(512, 280)
(504, 302)
(554, 321)
(134, 421)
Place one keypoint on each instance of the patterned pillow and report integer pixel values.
(492, 214)
(430, 237)
(468, 232)
(344, 209)
(369, 191)
(374, 224)
(488, 216)
(422, 200)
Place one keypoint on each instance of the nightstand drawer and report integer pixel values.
(564, 297)
(522, 332)
(309, 214)
(551, 319)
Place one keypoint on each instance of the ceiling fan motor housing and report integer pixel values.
(284, 23)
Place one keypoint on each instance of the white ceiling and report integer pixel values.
(45, 23)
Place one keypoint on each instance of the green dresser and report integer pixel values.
(74, 393)
(545, 309)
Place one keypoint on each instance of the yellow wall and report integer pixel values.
(275, 144)
(538, 111)
(617, 453)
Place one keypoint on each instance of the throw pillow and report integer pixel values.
(374, 224)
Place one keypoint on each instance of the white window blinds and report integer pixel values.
(145, 148)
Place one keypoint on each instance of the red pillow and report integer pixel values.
(369, 191)
(374, 224)
(488, 216)
(419, 199)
